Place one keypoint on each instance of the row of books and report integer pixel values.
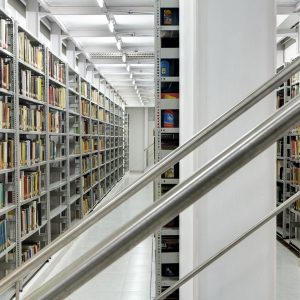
(94, 110)
(6, 113)
(31, 217)
(29, 52)
(55, 122)
(85, 205)
(95, 96)
(6, 154)
(94, 177)
(30, 184)
(95, 161)
(57, 96)
(4, 41)
(86, 182)
(295, 175)
(31, 119)
(85, 108)
(86, 164)
(29, 250)
(85, 144)
(57, 70)
(31, 85)
(84, 89)
(295, 78)
(85, 125)
(31, 152)
(5, 73)
(3, 235)
(295, 148)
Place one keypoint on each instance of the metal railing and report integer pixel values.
(169, 206)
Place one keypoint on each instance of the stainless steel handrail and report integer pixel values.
(150, 175)
(227, 248)
(169, 206)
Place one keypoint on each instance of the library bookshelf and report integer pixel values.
(167, 135)
(288, 170)
(61, 145)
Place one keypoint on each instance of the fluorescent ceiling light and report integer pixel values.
(111, 25)
(133, 81)
(131, 75)
(119, 44)
(128, 68)
(101, 3)
(124, 58)
(136, 87)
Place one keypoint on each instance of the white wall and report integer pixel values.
(228, 51)
(136, 139)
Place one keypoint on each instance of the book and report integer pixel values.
(29, 249)
(31, 119)
(55, 122)
(2, 195)
(85, 108)
(5, 73)
(84, 89)
(31, 85)
(30, 52)
(57, 69)
(6, 113)
(6, 154)
(95, 96)
(31, 152)
(57, 96)
(30, 184)
(4, 34)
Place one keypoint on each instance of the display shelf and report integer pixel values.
(7, 209)
(287, 168)
(57, 169)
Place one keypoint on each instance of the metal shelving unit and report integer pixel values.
(61, 201)
(288, 165)
(167, 134)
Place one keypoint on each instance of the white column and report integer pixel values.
(3, 4)
(82, 65)
(227, 50)
(56, 39)
(71, 54)
(33, 17)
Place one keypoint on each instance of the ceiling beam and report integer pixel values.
(286, 7)
(120, 32)
(96, 10)
(287, 32)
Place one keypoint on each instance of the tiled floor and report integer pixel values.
(131, 277)
(127, 279)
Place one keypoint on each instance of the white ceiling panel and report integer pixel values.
(83, 22)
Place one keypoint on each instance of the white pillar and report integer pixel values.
(71, 54)
(33, 17)
(3, 4)
(82, 65)
(56, 39)
(227, 50)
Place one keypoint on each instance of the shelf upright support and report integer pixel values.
(157, 182)
(17, 155)
(47, 181)
(68, 148)
(33, 17)
(90, 73)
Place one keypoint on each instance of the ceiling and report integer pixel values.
(133, 24)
